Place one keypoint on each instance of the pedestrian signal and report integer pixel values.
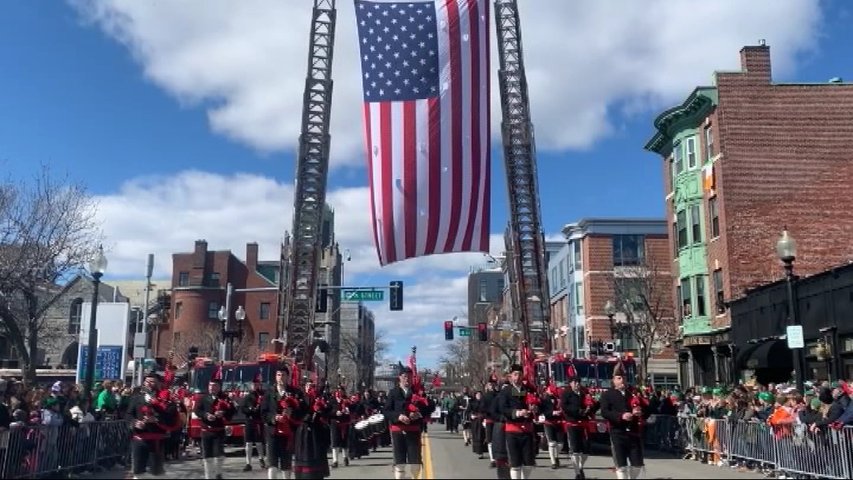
(483, 331)
(448, 330)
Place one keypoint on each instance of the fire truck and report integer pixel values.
(595, 373)
(237, 379)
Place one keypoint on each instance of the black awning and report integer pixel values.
(769, 354)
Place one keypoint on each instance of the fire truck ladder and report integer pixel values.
(301, 253)
(525, 240)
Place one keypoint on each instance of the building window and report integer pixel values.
(484, 290)
(682, 228)
(672, 175)
(709, 143)
(686, 296)
(179, 306)
(562, 276)
(691, 153)
(264, 313)
(628, 250)
(75, 315)
(263, 340)
(718, 289)
(701, 309)
(679, 311)
(715, 217)
(213, 311)
(579, 298)
(695, 224)
(212, 280)
(183, 279)
(678, 158)
(577, 255)
(501, 285)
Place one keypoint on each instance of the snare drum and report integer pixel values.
(361, 430)
(377, 424)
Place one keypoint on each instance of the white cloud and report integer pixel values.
(165, 215)
(245, 62)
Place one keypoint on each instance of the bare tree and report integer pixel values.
(643, 299)
(207, 338)
(48, 233)
(463, 364)
(358, 359)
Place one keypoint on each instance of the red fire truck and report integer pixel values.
(237, 379)
(595, 373)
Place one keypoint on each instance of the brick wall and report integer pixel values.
(786, 161)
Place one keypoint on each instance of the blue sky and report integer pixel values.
(183, 125)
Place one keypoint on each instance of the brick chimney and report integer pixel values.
(200, 253)
(755, 62)
(252, 256)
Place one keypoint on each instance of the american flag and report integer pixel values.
(425, 76)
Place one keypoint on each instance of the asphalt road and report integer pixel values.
(445, 456)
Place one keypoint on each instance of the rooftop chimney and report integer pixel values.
(755, 61)
(252, 256)
(200, 253)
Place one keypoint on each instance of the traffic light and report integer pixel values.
(448, 330)
(322, 299)
(483, 331)
(396, 295)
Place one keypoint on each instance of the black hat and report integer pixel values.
(516, 368)
(405, 371)
(282, 367)
(154, 375)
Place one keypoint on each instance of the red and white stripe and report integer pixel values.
(429, 160)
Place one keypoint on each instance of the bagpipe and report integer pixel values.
(415, 404)
(285, 409)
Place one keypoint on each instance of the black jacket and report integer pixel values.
(398, 404)
(209, 404)
(509, 400)
(613, 404)
(251, 407)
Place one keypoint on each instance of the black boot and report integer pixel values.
(247, 468)
(263, 464)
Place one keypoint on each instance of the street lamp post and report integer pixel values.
(97, 269)
(229, 333)
(786, 249)
(610, 311)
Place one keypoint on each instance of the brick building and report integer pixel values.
(599, 253)
(742, 159)
(199, 281)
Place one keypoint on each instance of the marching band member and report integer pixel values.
(487, 409)
(281, 406)
(578, 408)
(518, 408)
(213, 410)
(552, 423)
(311, 439)
(151, 417)
(341, 422)
(405, 410)
(254, 426)
(626, 412)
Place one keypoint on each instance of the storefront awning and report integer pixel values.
(769, 354)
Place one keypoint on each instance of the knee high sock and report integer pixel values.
(249, 447)
(491, 455)
(622, 473)
(272, 473)
(220, 462)
(208, 468)
(399, 471)
(552, 452)
(335, 456)
(525, 472)
(415, 470)
(515, 473)
(286, 474)
(637, 472)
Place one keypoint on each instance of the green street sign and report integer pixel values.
(464, 332)
(362, 295)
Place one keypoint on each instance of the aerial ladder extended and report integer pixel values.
(524, 237)
(301, 253)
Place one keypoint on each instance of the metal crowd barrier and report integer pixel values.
(787, 451)
(42, 451)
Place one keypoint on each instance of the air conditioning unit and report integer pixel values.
(609, 347)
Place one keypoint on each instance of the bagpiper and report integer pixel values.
(311, 439)
(553, 423)
(283, 406)
(519, 407)
(214, 409)
(578, 408)
(151, 418)
(487, 408)
(253, 430)
(405, 410)
(341, 423)
(626, 412)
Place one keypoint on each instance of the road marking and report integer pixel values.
(426, 457)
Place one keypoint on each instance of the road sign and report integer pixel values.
(795, 336)
(362, 295)
(464, 332)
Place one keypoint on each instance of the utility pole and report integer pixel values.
(141, 329)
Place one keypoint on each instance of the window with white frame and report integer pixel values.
(579, 298)
(577, 255)
(691, 153)
(709, 143)
(678, 158)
